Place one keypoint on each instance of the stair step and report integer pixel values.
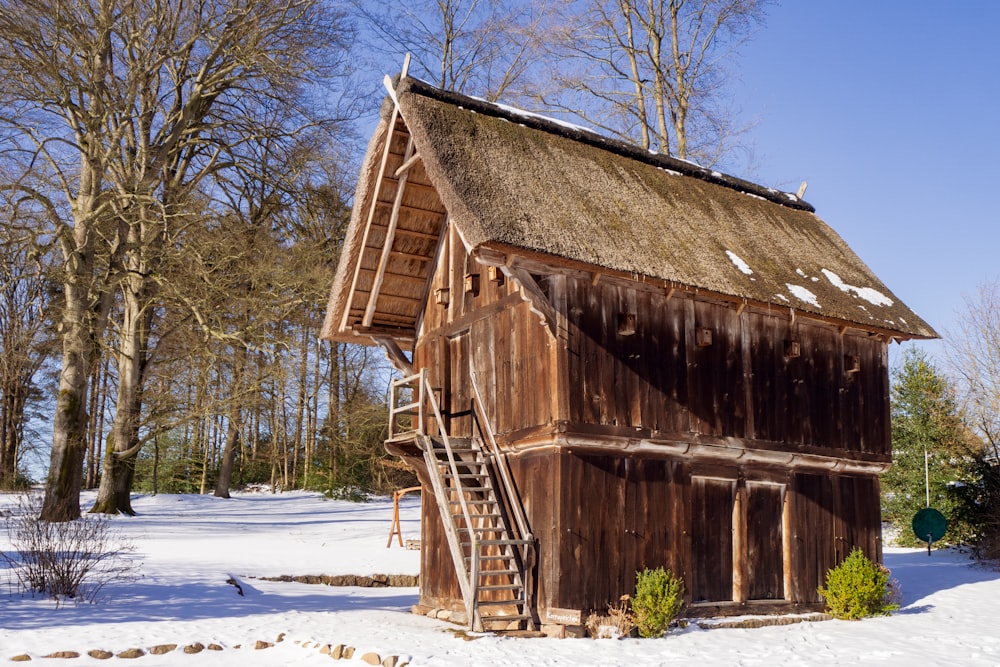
(505, 619)
(501, 587)
(479, 516)
(473, 502)
(498, 573)
(500, 603)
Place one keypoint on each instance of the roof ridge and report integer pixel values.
(589, 137)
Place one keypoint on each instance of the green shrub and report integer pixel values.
(659, 596)
(858, 588)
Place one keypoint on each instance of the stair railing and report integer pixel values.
(505, 477)
(509, 491)
(425, 396)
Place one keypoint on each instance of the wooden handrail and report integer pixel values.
(513, 500)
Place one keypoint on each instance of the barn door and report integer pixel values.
(765, 542)
(457, 386)
(712, 503)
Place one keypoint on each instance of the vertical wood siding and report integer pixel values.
(743, 385)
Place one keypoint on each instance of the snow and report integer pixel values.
(188, 544)
(803, 294)
(869, 294)
(529, 114)
(740, 264)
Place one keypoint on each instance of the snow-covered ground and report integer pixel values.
(188, 545)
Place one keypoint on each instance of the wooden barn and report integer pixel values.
(612, 360)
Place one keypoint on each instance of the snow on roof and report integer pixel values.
(803, 294)
(871, 295)
(740, 264)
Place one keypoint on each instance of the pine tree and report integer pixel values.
(925, 417)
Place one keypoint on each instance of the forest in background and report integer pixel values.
(175, 179)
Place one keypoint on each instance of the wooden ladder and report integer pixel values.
(491, 560)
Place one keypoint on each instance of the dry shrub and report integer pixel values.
(70, 560)
(616, 624)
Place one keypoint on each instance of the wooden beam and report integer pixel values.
(405, 167)
(396, 333)
(553, 264)
(410, 208)
(390, 236)
(410, 255)
(400, 276)
(429, 279)
(376, 186)
(532, 293)
(394, 354)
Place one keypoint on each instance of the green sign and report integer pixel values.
(929, 525)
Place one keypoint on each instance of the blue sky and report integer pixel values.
(889, 111)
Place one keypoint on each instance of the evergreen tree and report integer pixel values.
(926, 418)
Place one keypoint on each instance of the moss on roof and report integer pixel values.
(517, 180)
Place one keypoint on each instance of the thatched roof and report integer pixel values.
(519, 181)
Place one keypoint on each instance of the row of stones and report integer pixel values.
(338, 651)
(373, 581)
(343, 652)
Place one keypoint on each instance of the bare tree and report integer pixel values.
(653, 72)
(479, 47)
(25, 335)
(140, 102)
(974, 357)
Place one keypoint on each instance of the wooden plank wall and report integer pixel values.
(600, 519)
(743, 385)
(493, 324)
(438, 582)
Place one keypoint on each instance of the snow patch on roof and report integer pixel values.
(782, 297)
(801, 293)
(870, 295)
(740, 264)
(530, 114)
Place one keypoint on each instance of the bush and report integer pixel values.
(858, 588)
(659, 596)
(66, 560)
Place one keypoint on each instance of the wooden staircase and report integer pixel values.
(491, 547)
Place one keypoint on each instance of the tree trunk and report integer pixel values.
(115, 493)
(13, 398)
(236, 397)
(156, 464)
(229, 455)
(69, 427)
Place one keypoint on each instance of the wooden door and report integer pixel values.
(457, 403)
(765, 541)
(712, 503)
